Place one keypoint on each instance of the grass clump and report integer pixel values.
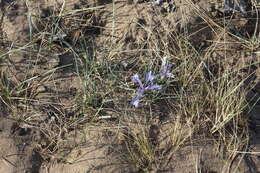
(141, 152)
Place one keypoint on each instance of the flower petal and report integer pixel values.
(153, 87)
(136, 79)
(149, 77)
(135, 101)
(140, 91)
(170, 75)
(166, 68)
(165, 72)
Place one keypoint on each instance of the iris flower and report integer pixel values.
(149, 83)
(165, 71)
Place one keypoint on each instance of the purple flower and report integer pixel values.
(165, 71)
(149, 83)
(136, 79)
(136, 100)
(149, 77)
